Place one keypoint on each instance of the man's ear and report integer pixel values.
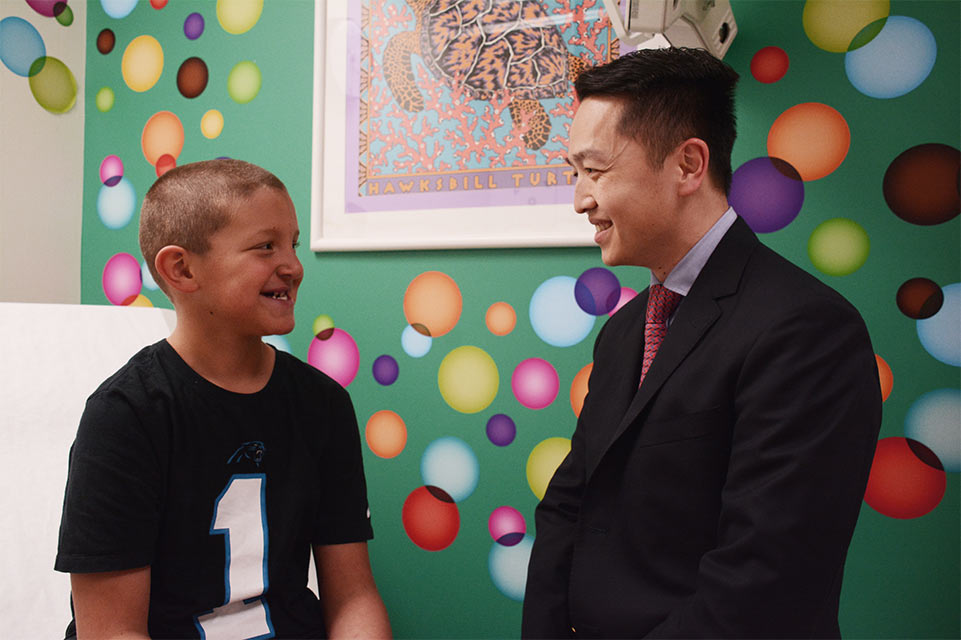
(693, 157)
(173, 265)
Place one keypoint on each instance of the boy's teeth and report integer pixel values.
(279, 296)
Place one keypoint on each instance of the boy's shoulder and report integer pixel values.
(140, 371)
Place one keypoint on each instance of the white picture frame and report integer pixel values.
(334, 228)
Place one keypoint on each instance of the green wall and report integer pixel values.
(902, 577)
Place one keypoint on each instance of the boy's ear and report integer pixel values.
(173, 265)
(693, 159)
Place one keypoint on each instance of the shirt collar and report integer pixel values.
(682, 276)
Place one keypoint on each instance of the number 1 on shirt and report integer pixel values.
(240, 516)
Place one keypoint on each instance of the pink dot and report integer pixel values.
(506, 526)
(535, 383)
(121, 279)
(627, 294)
(111, 170)
(337, 356)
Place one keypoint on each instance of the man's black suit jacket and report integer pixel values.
(719, 499)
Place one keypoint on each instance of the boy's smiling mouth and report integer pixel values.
(276, 295)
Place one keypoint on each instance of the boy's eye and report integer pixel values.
(267, 245)
(296, 244)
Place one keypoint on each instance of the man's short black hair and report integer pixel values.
(670, 95)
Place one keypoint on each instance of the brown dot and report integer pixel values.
(192, 77)
(105, 41)
(919, 298)
(923, 184)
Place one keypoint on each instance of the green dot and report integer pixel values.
(243, 82)
(323, 324)
(53, 85)
(839, 247)
(65, 17)
(104, 99)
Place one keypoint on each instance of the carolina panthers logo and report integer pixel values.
(253, 451)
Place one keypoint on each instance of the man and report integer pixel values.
(712, 490)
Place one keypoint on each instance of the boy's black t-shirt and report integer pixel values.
(221, 493)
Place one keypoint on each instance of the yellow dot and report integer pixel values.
(832, 25)
(543, 462)
(239, 16)
(467, 379)
(323, 326)
(141, 301)
(142, 63)
(212, 124)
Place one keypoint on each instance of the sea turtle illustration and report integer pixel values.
(486, 47)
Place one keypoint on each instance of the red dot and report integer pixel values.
(165, 163)
(769, 64)
(907, 479)
(430, 518)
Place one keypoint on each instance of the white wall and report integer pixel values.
(41, 172)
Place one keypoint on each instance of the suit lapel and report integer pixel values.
(697, 313)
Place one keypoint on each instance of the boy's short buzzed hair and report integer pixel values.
(671, 95)
(189, 203)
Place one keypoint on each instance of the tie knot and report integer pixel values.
(661, 303)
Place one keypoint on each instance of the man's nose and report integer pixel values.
(583, 200)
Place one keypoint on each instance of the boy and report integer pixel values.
(206, 469)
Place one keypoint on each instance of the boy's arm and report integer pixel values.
(352, 605)
(111, 604)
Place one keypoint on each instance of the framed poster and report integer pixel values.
(443, 123)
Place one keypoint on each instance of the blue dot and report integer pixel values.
(508, 567)
(20, 45)
(118, 8)
(280, 343)
(895, 62)
(415, 344)
(939, 334)
(555, 316)
(116, 204)
(934, 420)
(147, 277)
(450, 463)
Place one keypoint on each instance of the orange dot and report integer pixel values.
(501, 318)
(812, 137)
(163, 134)
(432, 303)
(886, 376)
(386, 434)
(579, 388)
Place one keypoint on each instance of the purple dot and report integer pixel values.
(385, 370)
(597, 291)
(501, 430)
(767, 193)
(194, 26)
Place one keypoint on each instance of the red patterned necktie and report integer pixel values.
(661, 303)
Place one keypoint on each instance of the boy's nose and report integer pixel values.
(292, 267)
